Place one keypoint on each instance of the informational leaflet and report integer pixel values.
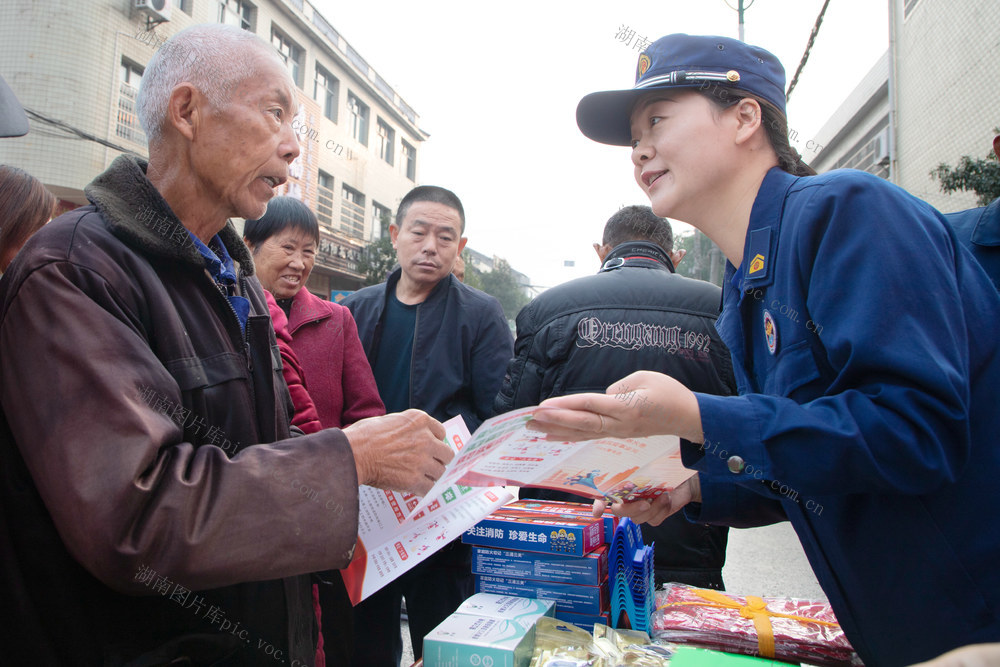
(396, 531)
(503, 451)
(393, 538)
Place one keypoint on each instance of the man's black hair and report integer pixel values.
(638, 223)
(431, 193)
(282, 213)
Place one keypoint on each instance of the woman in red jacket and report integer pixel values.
(331, 362)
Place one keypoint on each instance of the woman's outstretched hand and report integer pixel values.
(642, 404)
(655, 511)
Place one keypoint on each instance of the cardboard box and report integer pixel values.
(562, 507)
(464, 639)
(568, 597)
(525, 611)
(537, 531)
(588, 570)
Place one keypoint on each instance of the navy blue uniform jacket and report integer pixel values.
(461, 346)
(978, 229)
(874, 423)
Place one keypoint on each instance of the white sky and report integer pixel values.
(496, 86)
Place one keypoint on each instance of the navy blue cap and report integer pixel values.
(683, 61)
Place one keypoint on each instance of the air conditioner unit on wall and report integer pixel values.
(156, 11)
(882, 147)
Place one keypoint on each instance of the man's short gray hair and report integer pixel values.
(210, 56)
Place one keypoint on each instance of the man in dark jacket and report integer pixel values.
(441, 346)
(153, 508)
(635, 314)
(978, 229)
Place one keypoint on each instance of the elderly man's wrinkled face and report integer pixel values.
(240, 153)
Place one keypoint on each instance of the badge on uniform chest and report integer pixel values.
(770, 332)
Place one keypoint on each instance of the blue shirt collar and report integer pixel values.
(223, 271)
(217, 260)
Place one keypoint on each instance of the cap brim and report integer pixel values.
(13, 122)
(604, 116)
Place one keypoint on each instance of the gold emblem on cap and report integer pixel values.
(643, 64)
(733, 75)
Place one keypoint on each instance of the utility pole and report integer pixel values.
(739, 10)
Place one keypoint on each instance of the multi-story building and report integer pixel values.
(76, 68)
(932, 98)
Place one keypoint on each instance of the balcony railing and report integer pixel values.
(352, 219)
(128, 126)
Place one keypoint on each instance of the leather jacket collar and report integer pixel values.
(637, 253)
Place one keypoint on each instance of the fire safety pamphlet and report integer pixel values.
(396, 531)
(392, 537)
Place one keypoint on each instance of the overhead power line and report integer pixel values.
(809, 45)
(67, 131)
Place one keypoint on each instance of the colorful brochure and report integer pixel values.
(503, 451)
(396, 531)
(392, 537)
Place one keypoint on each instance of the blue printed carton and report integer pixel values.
(537, 531)
(563, 507)
(568, 597)
(588, 570)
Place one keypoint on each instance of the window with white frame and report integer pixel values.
(290, 52)
(236, 12)
(410, 160)
(381, 219)
(386, 140)
(127, 126)
(325, 90)
(358, 111)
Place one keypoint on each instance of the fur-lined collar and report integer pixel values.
(138, 215)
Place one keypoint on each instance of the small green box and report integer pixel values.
(525, 611)
(463, 639)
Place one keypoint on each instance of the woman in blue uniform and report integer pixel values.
(865, 348)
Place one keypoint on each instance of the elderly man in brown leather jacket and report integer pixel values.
(153, 508)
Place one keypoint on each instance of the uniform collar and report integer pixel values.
(987, 229)
(757, 269)
(636, 253)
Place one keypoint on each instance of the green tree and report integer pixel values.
(473, 276)
(377, 260)
(979, 175)
(704, 260)
(500, 283)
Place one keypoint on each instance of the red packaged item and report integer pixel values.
(780, 628)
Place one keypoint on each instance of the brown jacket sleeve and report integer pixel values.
(123, 488)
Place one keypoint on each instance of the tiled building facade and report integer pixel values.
(946, 94)
(79, 66)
